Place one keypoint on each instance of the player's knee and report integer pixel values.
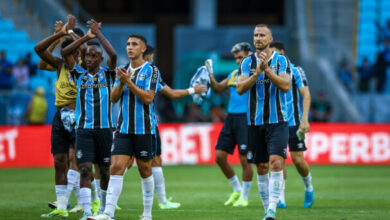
(262, 168)
(276, 164)
(297, 160)
(219, 158)
(244, 160)
(145, 169)
(85, 172)
(117, 168)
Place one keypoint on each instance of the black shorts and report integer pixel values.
(234, 132)
(157, 143)
(93, 145)
(141, 146)
(293, 143)
(266, 140)
(61, 139)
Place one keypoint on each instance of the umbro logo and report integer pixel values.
(243, 147)
(143, 153)
(300, 145)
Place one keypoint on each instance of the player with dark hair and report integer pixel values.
(93, 111)
(266, 74)
(135, 88)
(62, 133)
(298, 101)
(234, 132)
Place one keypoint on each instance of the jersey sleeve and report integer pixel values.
(244, 68)
(284, 65)
(300, 77)
(161, 84)
(152, 79)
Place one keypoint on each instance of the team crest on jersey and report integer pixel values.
(249, 155)
(79, 154)
(141, 77)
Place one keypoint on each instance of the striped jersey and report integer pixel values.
(160, 86)
(93, 106)
(266, 103)
(136, 117)
(237, 103)
(294, 98)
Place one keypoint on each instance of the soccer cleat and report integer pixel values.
(100, 217)
(56, 213)
(52, 205)
(264, 216)
(145, 218)
(169, 205)
(270, 215)
(309, 199)
(281, 205)
(77, 208)
(95, 207)
(233, 198)
(85, 216)
(241, 203)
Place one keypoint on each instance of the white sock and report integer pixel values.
(147, 192)
(103, 195)
(307, 181)
(95, 195)
(124, 172)
(61, 196)
(262, 184)
(113, 192)
(77, 190)
(246, 185)
(85, 198)
(72, 177)
(282, 199)
(235, 183)
(159, 184)
(276, 185)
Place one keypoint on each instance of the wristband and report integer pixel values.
(191, 91)
(70, 31)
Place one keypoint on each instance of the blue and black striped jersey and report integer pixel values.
(93, 106)
(136, 117)
(267, 103)
(294, 98)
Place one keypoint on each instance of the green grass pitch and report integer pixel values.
(341, 192)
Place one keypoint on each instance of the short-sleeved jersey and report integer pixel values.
(66, 91)
(136, 117)
(237, 103)
(267, 103)
(294, 98)
(93, 106)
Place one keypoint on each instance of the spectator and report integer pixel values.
(32, 67)
(5, 72)
(21, 74)
(345, 75)
(382, 63)
(321, 109)
(384, 32)
(37, 108)
(365, 73)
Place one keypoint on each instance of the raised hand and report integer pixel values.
(199, 89)
(122, 75)
(72, 22)
(90, 34)
(263, 59)
(58, 26)
(94, 26)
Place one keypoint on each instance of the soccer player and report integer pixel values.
(158, 176)
(266, 74)
(93, 111)
(135, 88)
(234, 132)
(62, 133)
(298, 101)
